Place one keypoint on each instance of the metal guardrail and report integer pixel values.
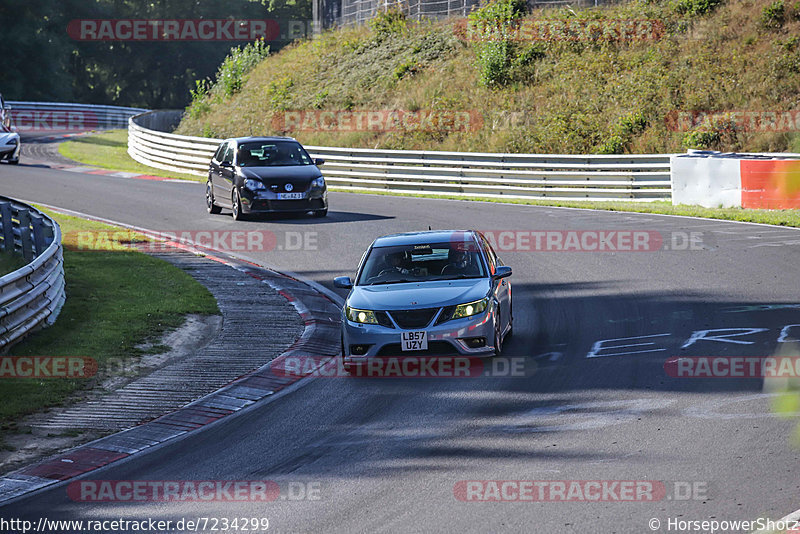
(59, 116)
(30, 297)
(639, 178)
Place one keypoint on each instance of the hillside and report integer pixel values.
(567, 91)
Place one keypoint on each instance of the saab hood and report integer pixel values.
(421, 294)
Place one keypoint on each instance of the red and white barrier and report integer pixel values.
(714, 180)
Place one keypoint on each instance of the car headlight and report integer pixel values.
(470, 308)
(360, 316)
(318, 182)
(253, 185)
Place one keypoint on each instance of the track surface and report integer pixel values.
(387, 453)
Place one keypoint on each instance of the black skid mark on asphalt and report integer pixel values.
(292, 464)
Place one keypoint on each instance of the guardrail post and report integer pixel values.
(39, 237)
(8, 226)
(24, 217)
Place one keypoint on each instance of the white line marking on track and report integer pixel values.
(598, 346)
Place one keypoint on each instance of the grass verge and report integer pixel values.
(109, 150)
(115, 301)
(775, 217)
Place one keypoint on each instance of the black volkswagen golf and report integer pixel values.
(265, 175)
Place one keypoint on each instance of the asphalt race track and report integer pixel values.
(387, 455)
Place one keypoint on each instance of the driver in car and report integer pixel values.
(394, 262)
(459, 262)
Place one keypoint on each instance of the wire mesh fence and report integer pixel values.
(349, 12)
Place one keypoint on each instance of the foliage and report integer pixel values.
(623, 132)
(492, 26)
(772, 16)
(696, 7)
(231, 77)
(199, 105)
(232, 73)
(389, 22)
(42, 62)
(702, 140)
(279, 92)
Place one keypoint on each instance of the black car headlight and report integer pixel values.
(253, 185)
(360, 316)
(318, 182)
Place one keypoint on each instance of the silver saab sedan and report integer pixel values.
(426, 293)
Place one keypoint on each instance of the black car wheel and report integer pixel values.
(321, 213)
(510, 319)
(210, 206)
(236, 206)
(348, 368)
(498, 336)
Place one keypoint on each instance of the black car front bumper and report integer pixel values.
(269, 203)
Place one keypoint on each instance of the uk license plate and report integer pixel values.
(414, 340)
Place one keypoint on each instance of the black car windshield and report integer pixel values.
(272, 154)
(421, 262)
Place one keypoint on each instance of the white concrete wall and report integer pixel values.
(711, 182)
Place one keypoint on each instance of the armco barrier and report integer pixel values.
(639, 178)
(62, 117)
(30, 297)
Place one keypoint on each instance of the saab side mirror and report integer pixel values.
(343, 282)
(503, 271)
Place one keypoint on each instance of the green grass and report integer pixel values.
(10, 262)
(109, 150)
(115, 301)
(775, 217)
